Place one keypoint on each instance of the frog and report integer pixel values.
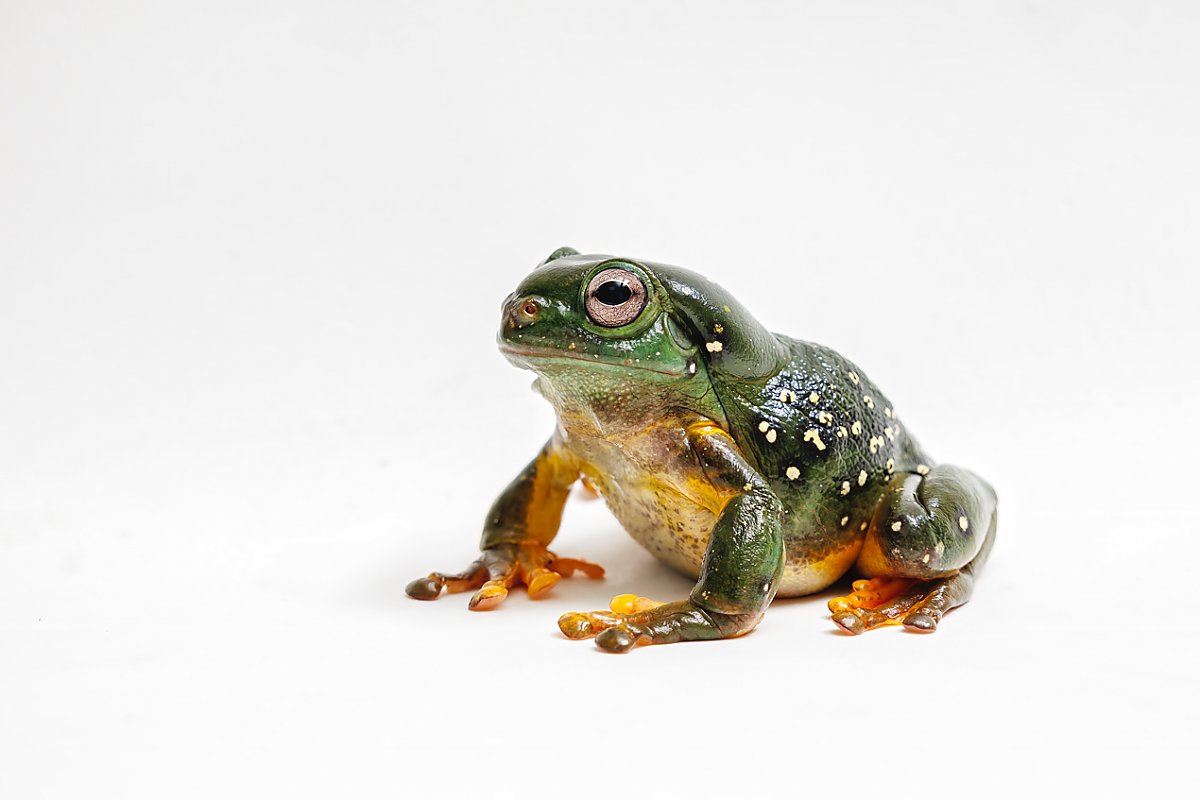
(759, 465)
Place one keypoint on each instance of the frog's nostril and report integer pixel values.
(524, 312)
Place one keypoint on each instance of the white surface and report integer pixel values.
(251, 257)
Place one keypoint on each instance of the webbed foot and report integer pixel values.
(879, 602)
(498, 569)
(633, 620)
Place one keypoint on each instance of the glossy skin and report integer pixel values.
(761, 465)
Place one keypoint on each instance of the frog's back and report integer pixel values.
(829, 441)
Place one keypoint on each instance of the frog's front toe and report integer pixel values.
(500, 568)
(632, 621)
(586, 624)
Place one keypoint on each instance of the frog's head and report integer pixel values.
(593, 326)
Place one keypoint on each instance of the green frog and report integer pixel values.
(760, 465)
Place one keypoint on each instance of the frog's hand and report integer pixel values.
(498, 569)
(929, 537)
(522, 522)
(740, 573)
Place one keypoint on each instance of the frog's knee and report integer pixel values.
(928, 526)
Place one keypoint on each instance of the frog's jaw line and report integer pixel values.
(547, 354)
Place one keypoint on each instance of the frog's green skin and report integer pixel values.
(762, 465)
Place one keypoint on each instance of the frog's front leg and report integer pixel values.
(741, 566)
(522, 522)
(929, 536)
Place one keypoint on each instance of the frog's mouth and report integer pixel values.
(553, 353)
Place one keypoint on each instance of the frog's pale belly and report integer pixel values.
(671, 511)
(674, 528)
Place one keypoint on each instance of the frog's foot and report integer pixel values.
(585, 624)
(878, 602)
(633, 620)
(925, 544)
(500, 568)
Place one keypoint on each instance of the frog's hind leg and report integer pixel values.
(929, 536)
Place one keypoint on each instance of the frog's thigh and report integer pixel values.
(928, 526)
(928, 537)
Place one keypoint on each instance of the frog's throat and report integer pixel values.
(548, 354)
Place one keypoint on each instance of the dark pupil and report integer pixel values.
(613, 293)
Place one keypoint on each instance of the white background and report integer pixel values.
(251, 256)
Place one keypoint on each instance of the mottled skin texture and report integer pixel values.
(761, 465)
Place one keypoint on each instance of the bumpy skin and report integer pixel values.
(761, 465)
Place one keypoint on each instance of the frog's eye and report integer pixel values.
(615, 297)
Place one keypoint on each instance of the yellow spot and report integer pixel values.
(825, 418)
(845, 488)
(939, 549)
(813, 436)
(856, 428)
(728, 310)
(862, 478)
(925, 558)
(866, 399)
(897, 525)
(814, 398)
(962, 523)
(718, 328)
(793, 473)
(771, 436)
(889, 433)
(863, 526)
(887, 412)
(714, 347)
(875, 443)
(844, 521)
(854, 378)
(764, 426)
(841, 431)
(787, 396)
(891, 465)
(922, 469)
(747, 488)
(571, 346)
